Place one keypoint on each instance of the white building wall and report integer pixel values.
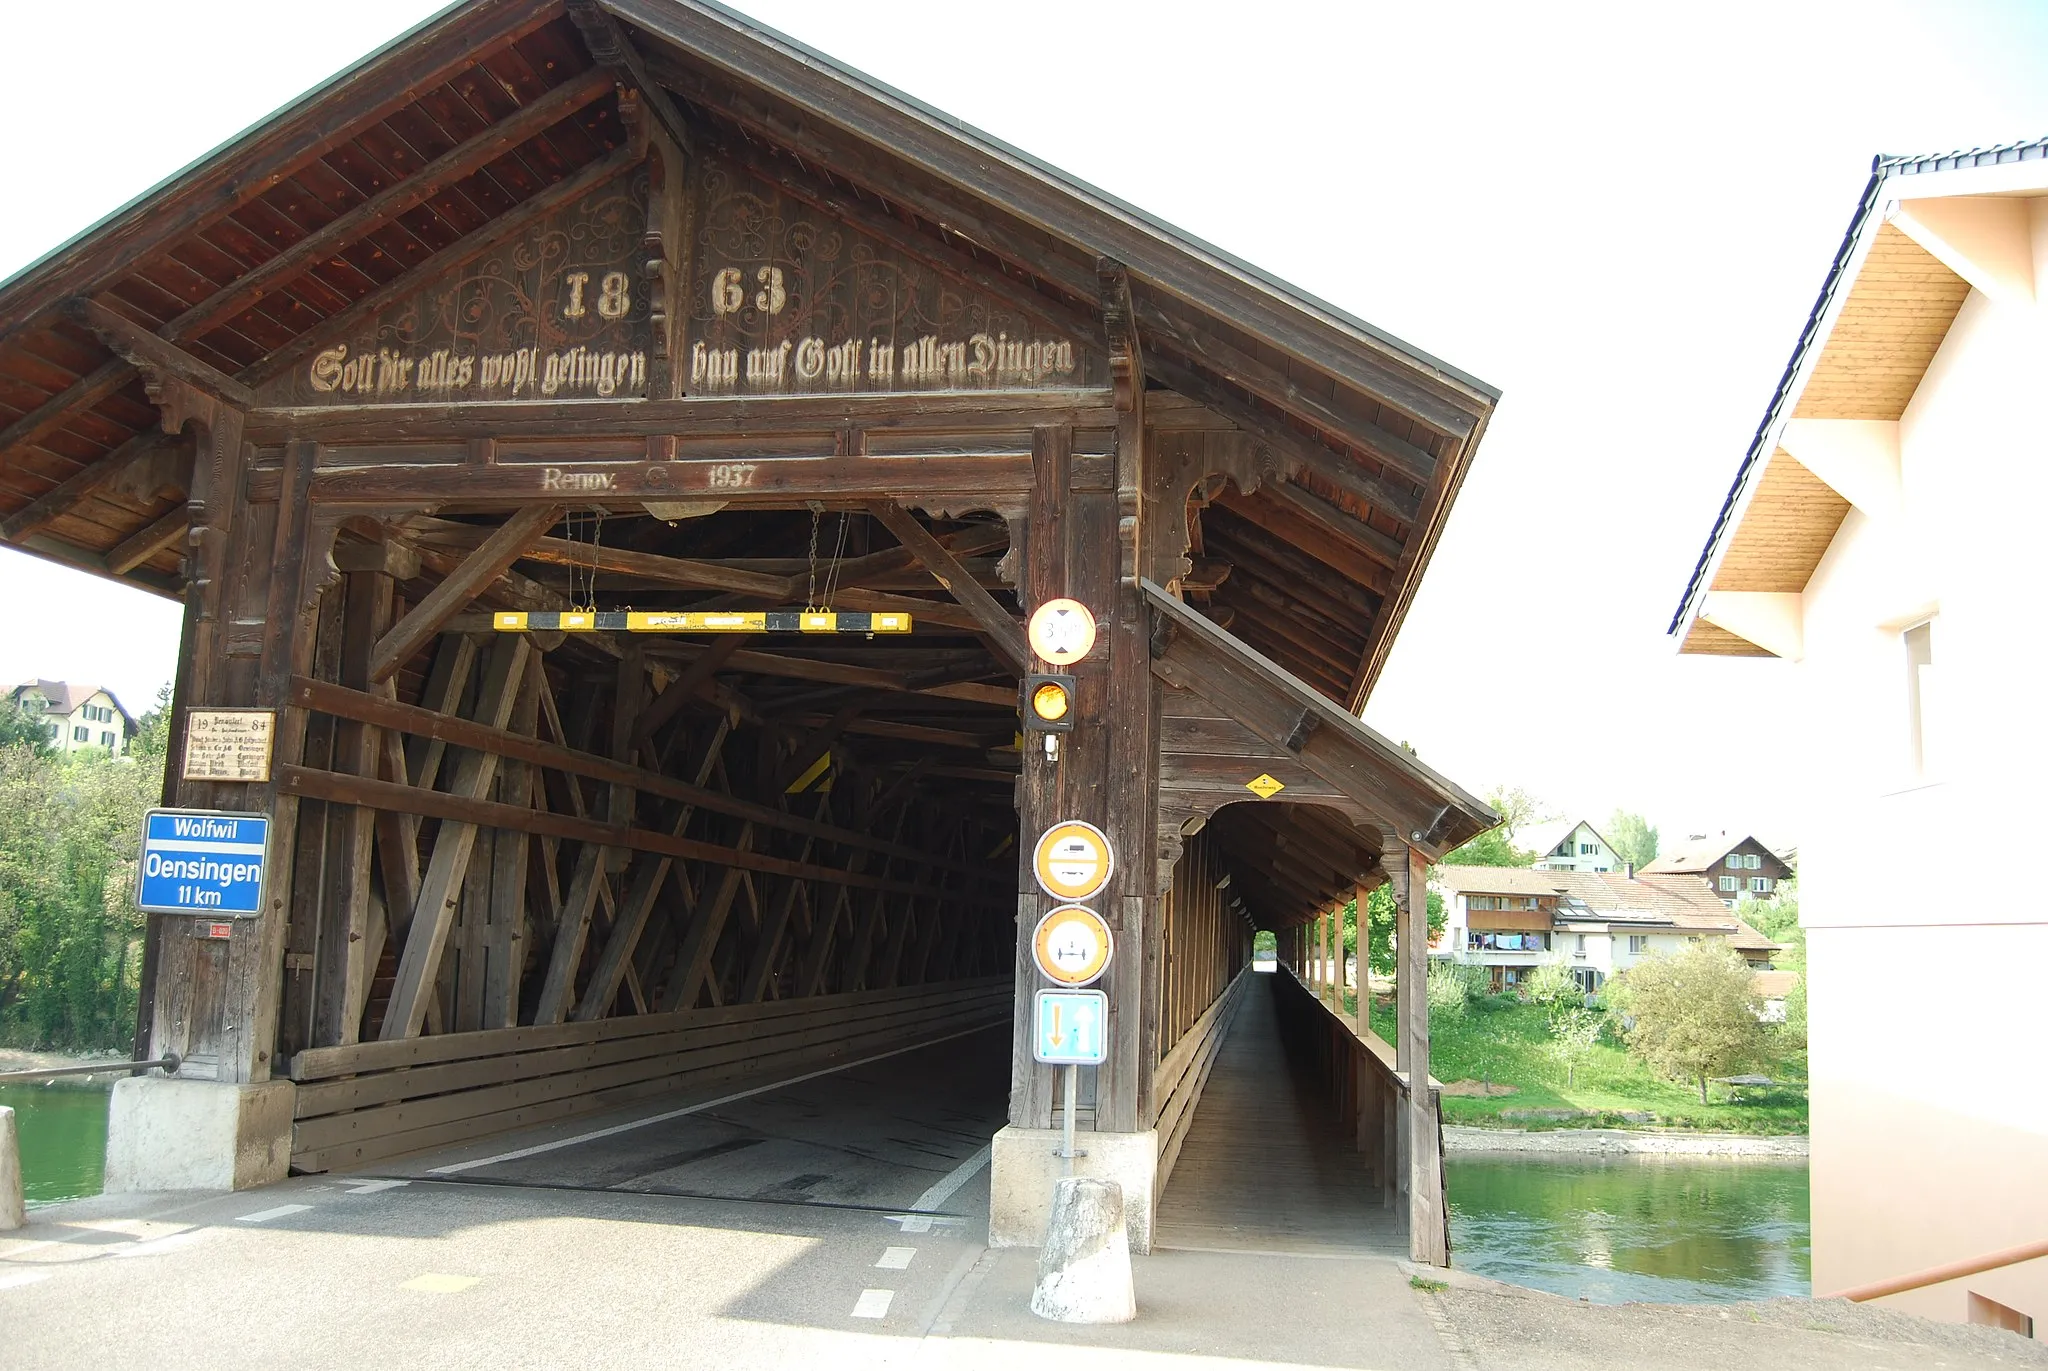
(1957, 1100)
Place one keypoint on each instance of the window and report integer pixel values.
(1920, 700)
(1482, 902)
(80, 733)
(1588, 849)
(107, 741)
(1730, 884)
(1638, 944)
(1755, 862)
(1760, 885)
(1735, 861)
(50, 731)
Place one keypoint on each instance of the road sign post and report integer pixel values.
(201, 861)
(1070, 1028)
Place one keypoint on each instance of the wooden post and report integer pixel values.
(1426, 1240)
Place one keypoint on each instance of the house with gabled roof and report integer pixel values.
(1511, 920)
(76, 717)
(1880, 540)
(1569, 845)
(1731, 866)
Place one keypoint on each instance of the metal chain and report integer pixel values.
(817, 508)
(838, 558)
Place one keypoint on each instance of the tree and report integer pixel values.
(1693, 1015)
(22, 728)
(153, 729)
(69, 931)
(1553, 987)
(1496, 847)
(1381, 912)
(1634, 837)
(1574, 1031)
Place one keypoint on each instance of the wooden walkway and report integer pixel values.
(1267, 1165)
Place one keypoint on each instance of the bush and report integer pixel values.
(1450, 991)
(1553, 987)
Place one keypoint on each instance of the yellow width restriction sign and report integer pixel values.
(1072, 860)
(1072, 945)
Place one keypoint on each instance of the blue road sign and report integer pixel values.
(197, 861)
(1072, 1027)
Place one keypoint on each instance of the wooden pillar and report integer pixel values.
(1364, 969)
(1426, 1242)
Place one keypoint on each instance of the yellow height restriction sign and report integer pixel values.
(1072, 945)
(1073, 861)
(1061, 631)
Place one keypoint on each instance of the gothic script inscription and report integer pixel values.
(557, 311)
(787, 300)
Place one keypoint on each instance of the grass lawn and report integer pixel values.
(1506, 1046)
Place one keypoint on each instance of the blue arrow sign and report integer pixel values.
(197, 861)
(1071, 1027)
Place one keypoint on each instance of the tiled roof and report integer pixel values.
(1499, 880)
(1881, 168)
(1774, 985)
(65, 698)
(1699, 855)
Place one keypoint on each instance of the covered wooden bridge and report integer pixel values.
(612, 450)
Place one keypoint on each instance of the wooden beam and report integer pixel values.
(77, 488)
(649, 566)
(648, 878)
(55, 412)
(150, 354)
(510, 424)
(137, 548)
(952, 479)
(609, 44)
(1428, 1236)
(430, 180)
(1230, 363)
(446, 729)
(686, 687)
(359, 98)
(441, 887)
(1002, 630)
(445, 601)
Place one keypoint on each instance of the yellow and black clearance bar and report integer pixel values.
(698, 621)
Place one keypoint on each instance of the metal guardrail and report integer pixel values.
(169, 1062)
(1935, 1275)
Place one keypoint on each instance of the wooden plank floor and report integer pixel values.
(1266, 1165)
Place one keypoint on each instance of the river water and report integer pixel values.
(63, 1130)
(1615, 1229)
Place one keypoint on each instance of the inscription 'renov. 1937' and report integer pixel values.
(558, 311)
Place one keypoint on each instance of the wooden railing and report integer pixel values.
(1369, 1089)
(359, 1103)
(1177, 1082)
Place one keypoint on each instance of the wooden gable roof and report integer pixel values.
(1347, 446)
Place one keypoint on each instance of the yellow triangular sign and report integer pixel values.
(1264, 786)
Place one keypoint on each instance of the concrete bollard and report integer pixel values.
(1084, 1269)
(12, 1213)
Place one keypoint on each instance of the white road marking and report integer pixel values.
(10, 1279)
(373, 1187)
(943, 1190)
(266, 1215)
(169, 1243)
(436, 1283)
(896, 1258)
(917, 1223)
(873, 1304)
(616, 1129)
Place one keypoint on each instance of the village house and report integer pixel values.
(1511, 920)
(1880, 537)
(1731, 867)
(1568, 845)
(76, 717)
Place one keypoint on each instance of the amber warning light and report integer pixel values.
(1049, 703)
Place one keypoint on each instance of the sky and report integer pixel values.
(1619, 215)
